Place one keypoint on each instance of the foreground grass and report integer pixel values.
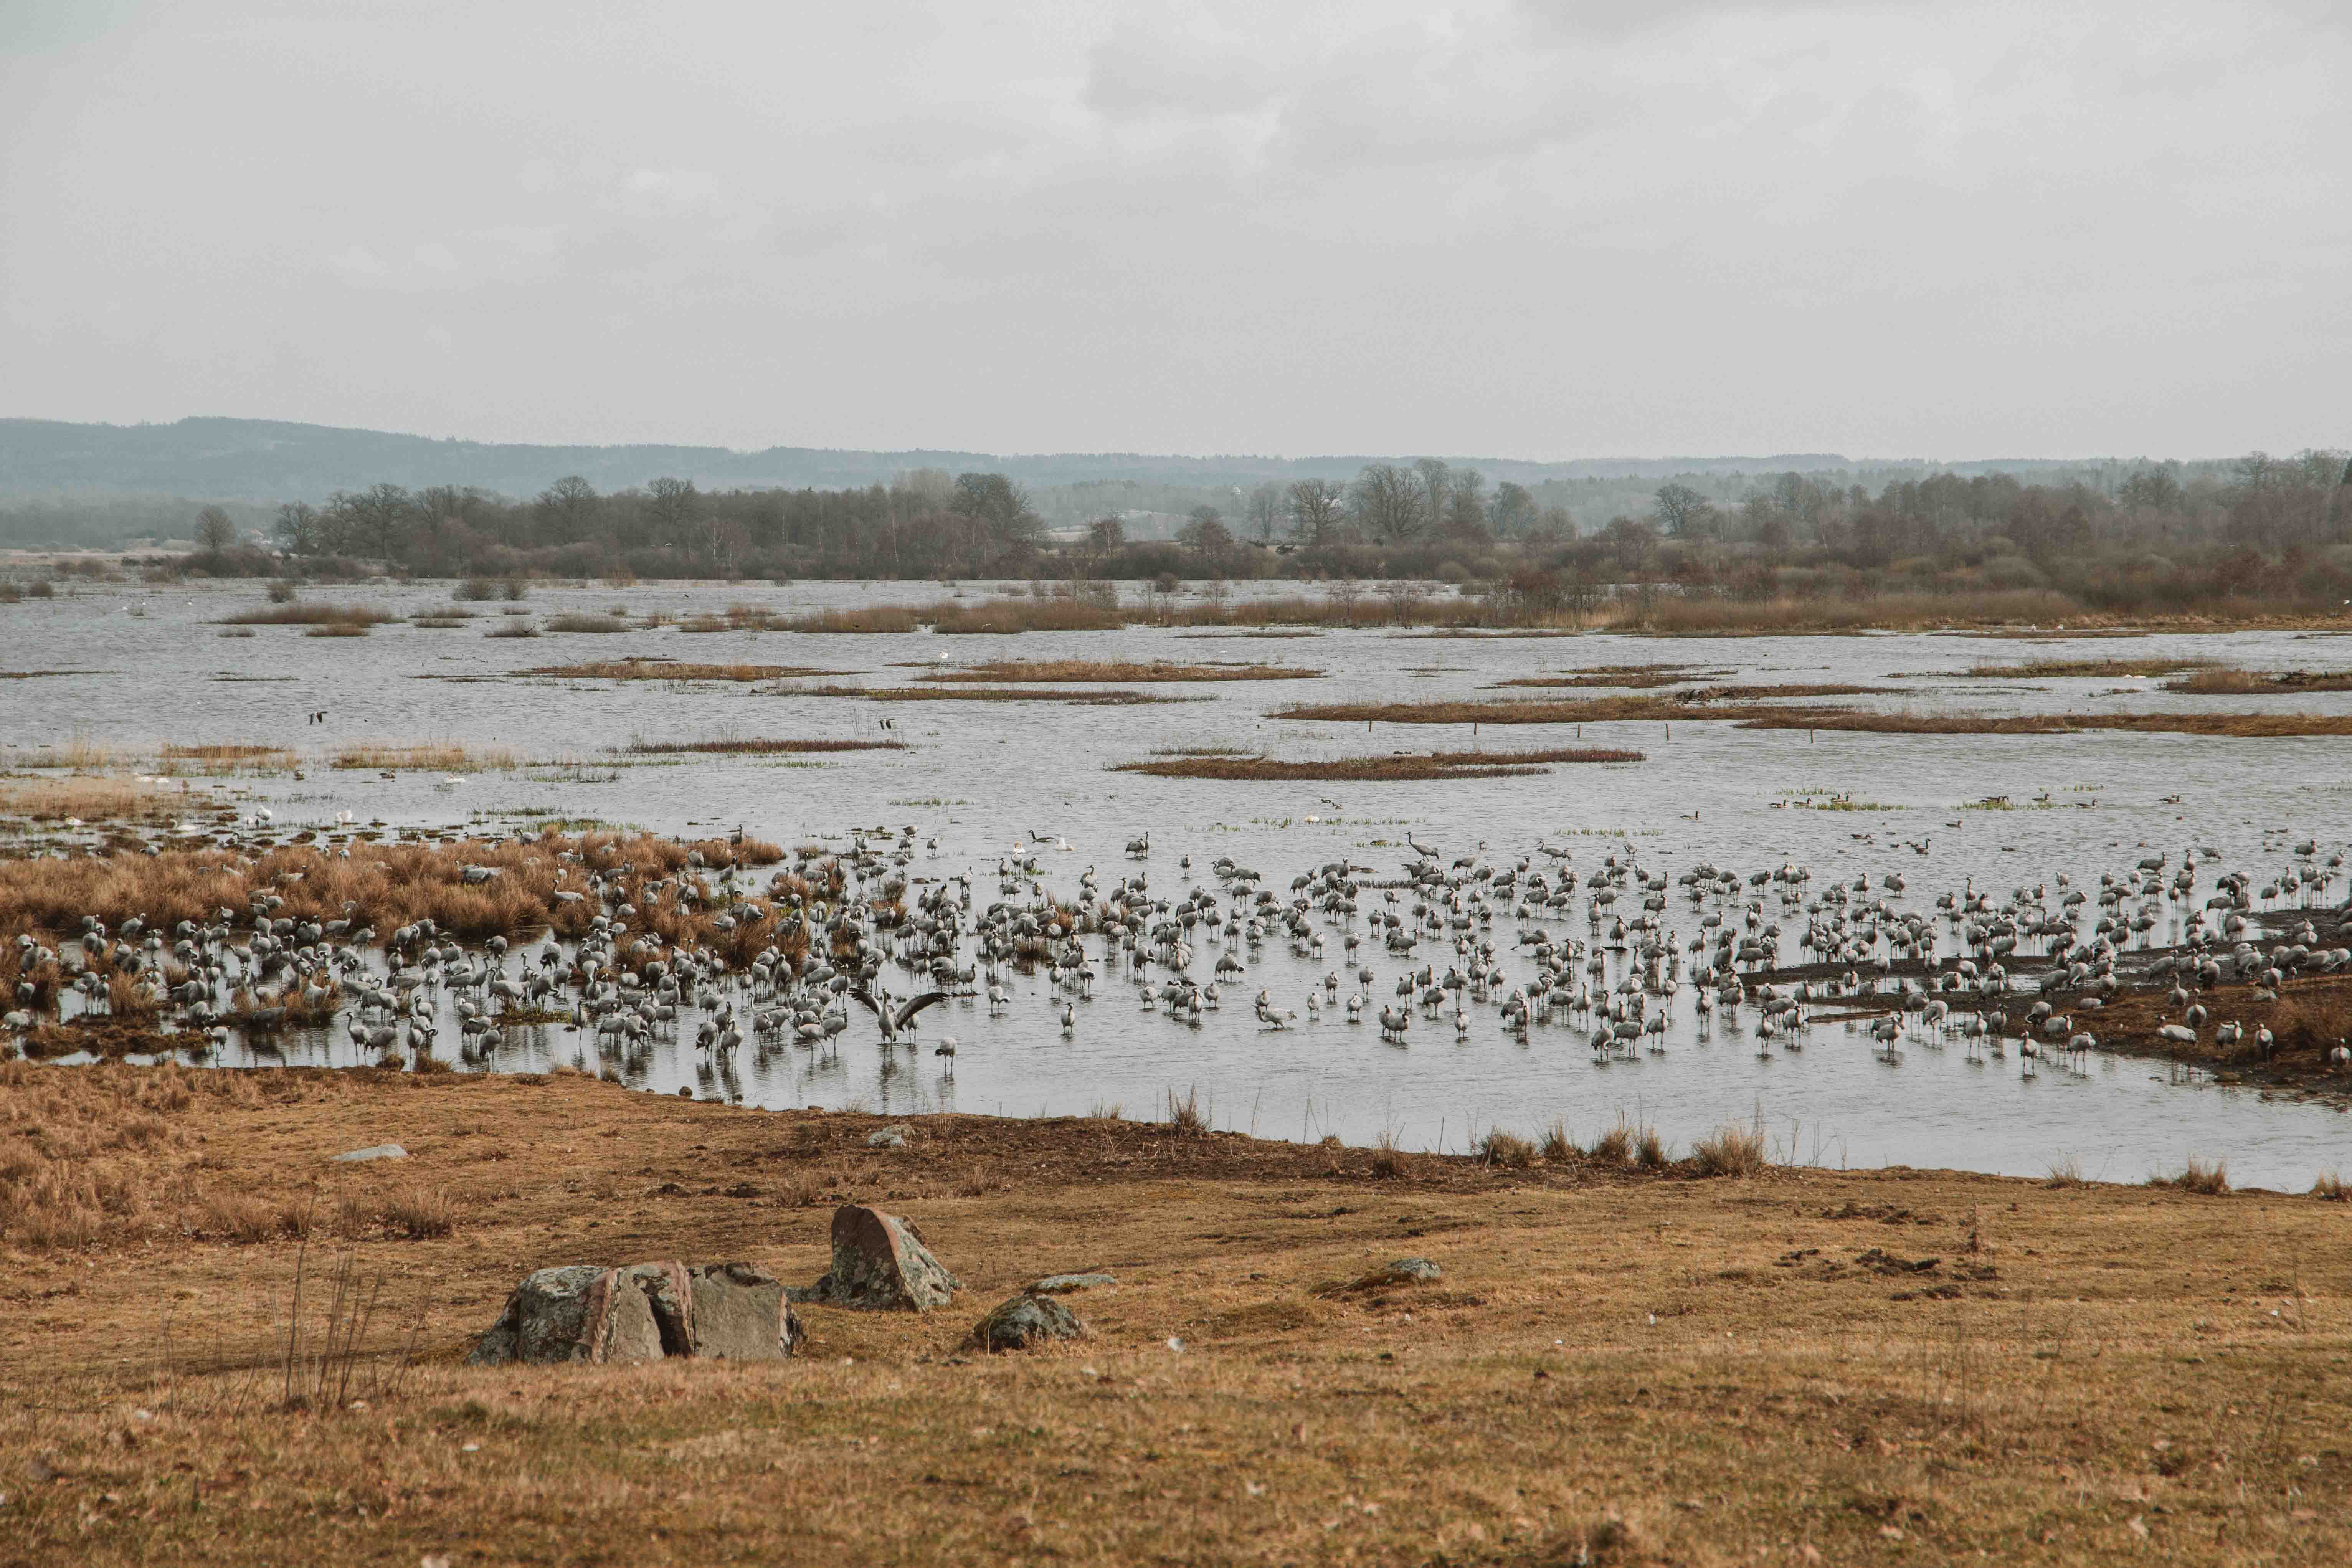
(1618, 1367)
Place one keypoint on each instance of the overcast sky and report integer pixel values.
(1535, 229)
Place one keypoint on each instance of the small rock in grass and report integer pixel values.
(1024, 1320)
(373, 1152)
(891, 1137)
(1063, 1284)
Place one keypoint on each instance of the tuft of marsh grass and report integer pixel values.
(1387, 1159)
(1650, 1150)
(1185, 1115)
(1615, 1146)
(1731, 1151)
(1558, 1146)
(2330, 1188)
(1507, 1148)
(2067, 1172)
(2211, 1178)
(513, 630)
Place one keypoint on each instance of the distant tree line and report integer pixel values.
(2165, 537)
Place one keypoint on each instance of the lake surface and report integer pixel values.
(984, 778)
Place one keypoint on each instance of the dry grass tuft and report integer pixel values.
(2210, 1178)
(1185, 1115)
(1387, 1159)
(590, 624)
(1730, 1151)
(420, 1213)
(2330, 1188)
(1614, 1147)
(2067, 1172)
(1558, 1146)
(1508, 1150)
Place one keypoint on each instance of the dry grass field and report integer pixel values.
(1619, 1365)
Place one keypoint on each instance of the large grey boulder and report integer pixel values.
(1027, 1320)
(880, 1265)
(643, 1312)
(579, 1312)
(741, 1314)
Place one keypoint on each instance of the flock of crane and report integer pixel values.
(1608, 954)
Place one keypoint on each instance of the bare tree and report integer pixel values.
(1315, 510)
(1266, 508)
(215, 531)
(1389, 501)
(1683, 510)
(297, 528)
(1436, 482)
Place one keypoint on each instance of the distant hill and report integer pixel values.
(265, 460)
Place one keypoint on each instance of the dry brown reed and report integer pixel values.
(2329, 1188)
(1095, 697)
(301, 613)
(2256, 683)
(1399, 767)
(90, 799)
(432, 756)
(337, 629)
(1628, 677)
(1115, 672)
(1614, 1147)
(755, 746)
(1669, 708)
(589, 623)
(670, 670)
(2092, 669)
(391, 885)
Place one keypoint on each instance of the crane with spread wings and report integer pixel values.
(895, 1018)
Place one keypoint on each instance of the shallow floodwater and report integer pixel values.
(984, 778)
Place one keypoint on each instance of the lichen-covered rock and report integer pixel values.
(1025, 1320)
(880, 1265)
(1063, 1284)
(741, 1314)
(547, 1320)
